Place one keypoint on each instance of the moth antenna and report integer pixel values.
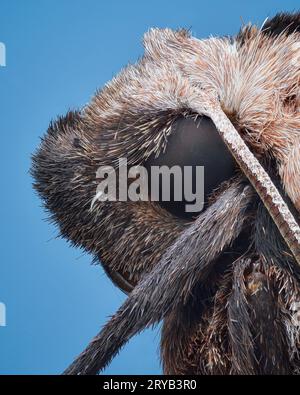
(171, 282)
(278, 209)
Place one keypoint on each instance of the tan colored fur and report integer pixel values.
(258, 84)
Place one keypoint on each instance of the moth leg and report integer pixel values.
(245, 333)
(170, 283)
(269, 337)
(256, 331)
(239, 323)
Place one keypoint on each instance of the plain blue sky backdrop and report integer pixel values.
(58, 53)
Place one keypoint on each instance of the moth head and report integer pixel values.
(144, 115)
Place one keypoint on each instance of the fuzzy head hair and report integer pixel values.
(226, 283)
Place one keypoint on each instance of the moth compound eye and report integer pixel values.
(191, 144)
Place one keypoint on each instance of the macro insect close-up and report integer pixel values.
(224, 281)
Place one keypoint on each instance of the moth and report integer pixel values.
(224, 281)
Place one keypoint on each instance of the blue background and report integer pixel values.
(58, 53)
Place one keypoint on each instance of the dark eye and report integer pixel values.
(194, 143)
